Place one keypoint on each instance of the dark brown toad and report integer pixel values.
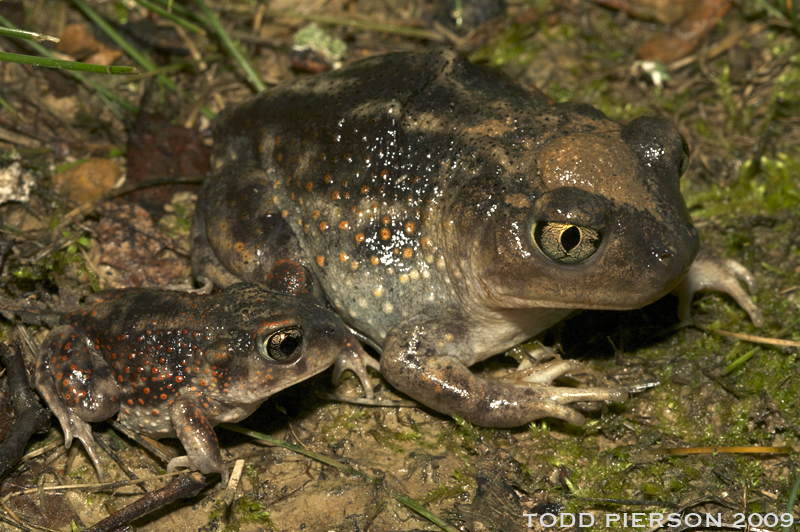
(449, 214)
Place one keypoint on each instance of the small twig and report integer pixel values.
(100, 486)
(140, 440)
(15, 524)
(759, 339)
(182, 488)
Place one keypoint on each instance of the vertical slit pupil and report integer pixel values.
(571, 238)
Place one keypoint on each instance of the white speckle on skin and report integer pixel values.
(440, 263)
(388, 308)
(362, 302)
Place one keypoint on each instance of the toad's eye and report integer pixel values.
(565, 243)
(284, 344)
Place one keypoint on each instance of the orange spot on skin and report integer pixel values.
(385, 234)
(335, 195)
(409, 228)
(375, 261)
(364, 190)
(140, 401)
(309, 186)
(328, 179)
(146, 391)
(343, 257)
(314, 214)
(344, 225)
(323, 226)
(155, 412)
(386, 220)
(408, 253)
(359, 238)
(320, 261)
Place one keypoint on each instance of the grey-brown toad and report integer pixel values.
(449, 214)
(176, 364)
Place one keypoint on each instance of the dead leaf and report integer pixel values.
(87, 181)
(681, 40)
(77, 41)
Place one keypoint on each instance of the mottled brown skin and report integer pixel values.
(448, 214)
(176, 364)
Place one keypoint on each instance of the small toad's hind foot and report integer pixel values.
(71, 423)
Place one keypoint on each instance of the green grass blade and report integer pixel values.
(65, 65)
(109, 97)
(132, 52)
(27, 35)
(180, 21)
(229, 45)
(792, 498)
(119, 40)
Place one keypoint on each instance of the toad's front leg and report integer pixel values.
(197, 436)
(428, 367)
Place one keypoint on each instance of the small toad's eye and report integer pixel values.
(282, 345)
(566, 243)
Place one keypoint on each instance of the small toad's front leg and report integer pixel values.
(427, 366)
(197, 436)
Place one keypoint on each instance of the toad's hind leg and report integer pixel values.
(77, 385)
(238, 233)
(430, 371)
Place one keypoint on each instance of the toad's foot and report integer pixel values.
(204, 467)
(722, 275)
(439, 379)
(354, 358)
